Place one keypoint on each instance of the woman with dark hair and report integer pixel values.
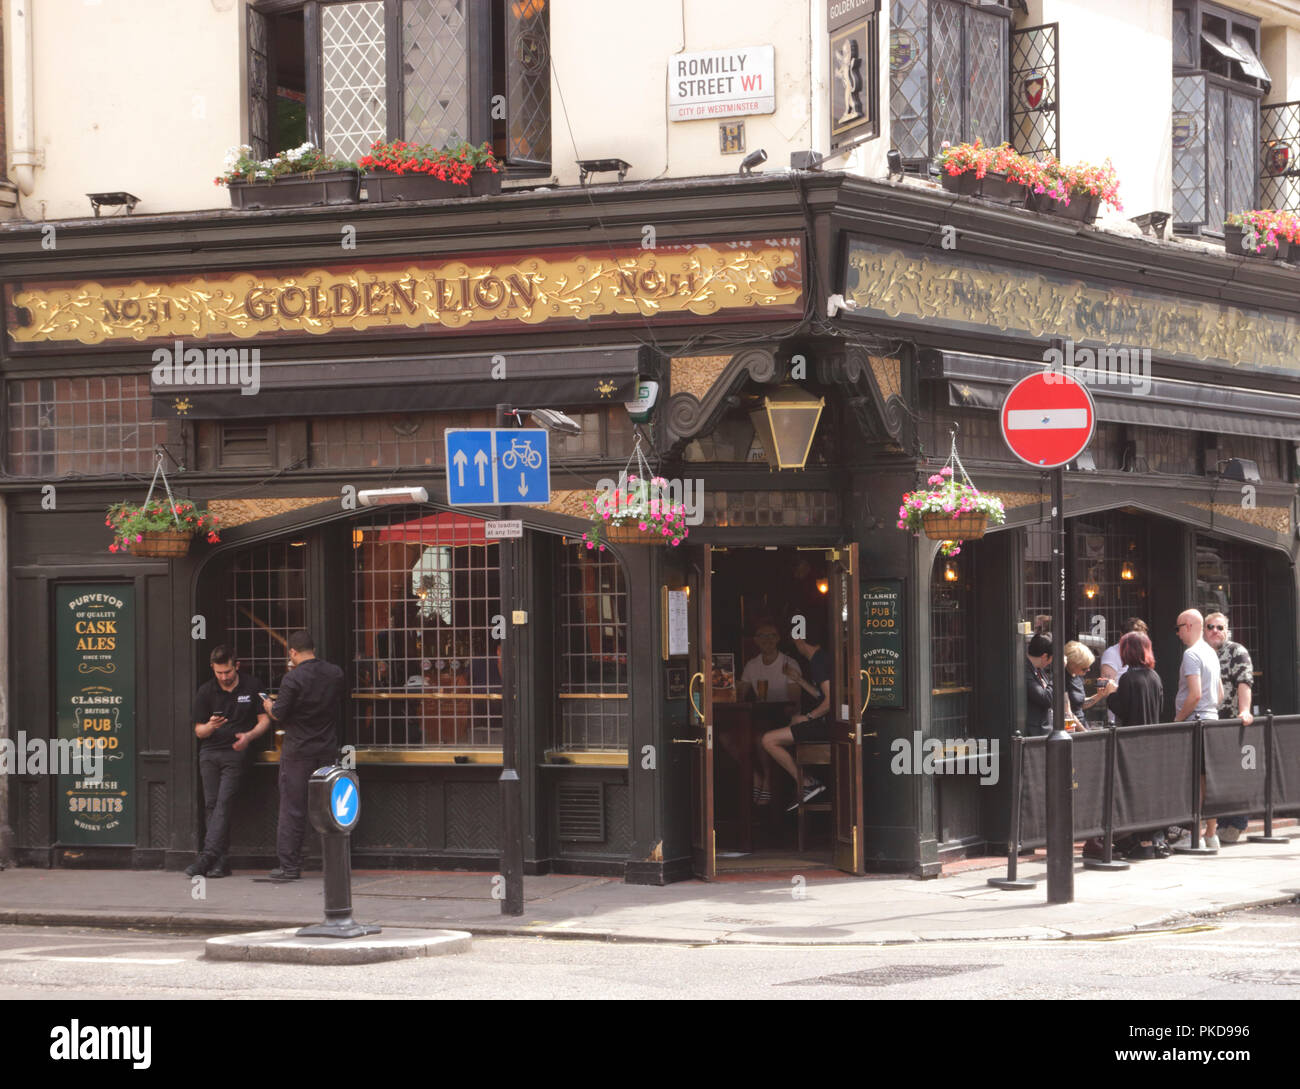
(1137, 702)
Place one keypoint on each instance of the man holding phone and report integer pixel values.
(228, 716)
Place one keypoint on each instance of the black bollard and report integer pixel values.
(1060, 818)
(334, 802)
(1013, 836)
(1106, 862)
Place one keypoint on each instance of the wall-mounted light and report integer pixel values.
(823, 586)
(1091, 590)
(786, 425)
(950, 572)
(587, 167)
(1128, 572)
(753, 159)
(358, 535)
(378, 497)
(297, 544)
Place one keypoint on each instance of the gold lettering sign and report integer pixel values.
(626, 282)
(914, 287)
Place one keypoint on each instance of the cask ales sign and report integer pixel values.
(882, 640)
(95, 709)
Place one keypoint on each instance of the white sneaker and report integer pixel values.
(1212, 843)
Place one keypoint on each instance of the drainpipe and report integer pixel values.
(6, 833)
(24, 158)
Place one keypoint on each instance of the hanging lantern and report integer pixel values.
(786, 425)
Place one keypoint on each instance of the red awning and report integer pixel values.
(446, 530)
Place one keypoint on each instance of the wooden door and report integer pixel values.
(847, 709)
(703, 837)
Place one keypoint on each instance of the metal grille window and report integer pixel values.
(1218, 84)
(592, 652)
(429, 71)
(1038, 576)
(426, 666)
(948, 64)
(1228, 577)
(100, 425)
(266, 591)
(1111, 570)
(951, 659)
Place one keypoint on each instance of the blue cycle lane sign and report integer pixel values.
(345, 802)
(497, 466)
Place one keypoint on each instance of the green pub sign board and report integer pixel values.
(95, 701)
(882, 640)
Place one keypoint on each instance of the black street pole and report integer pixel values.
(1060, 768)
(512, 824)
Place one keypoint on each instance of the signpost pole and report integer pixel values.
(512, 824)
(1060, 768)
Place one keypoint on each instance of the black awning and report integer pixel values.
(557, 379)
(1123, 395)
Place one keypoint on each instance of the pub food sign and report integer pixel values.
(882, 640)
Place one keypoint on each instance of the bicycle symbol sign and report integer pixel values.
(493, 467)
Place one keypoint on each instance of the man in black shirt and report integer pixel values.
(308, 707)
(226, 718)
(811, 725)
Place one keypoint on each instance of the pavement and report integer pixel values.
(807, 907)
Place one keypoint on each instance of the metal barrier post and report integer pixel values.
(1013, 836)
(1268, 836)
(1112, 755)
(1198, 756)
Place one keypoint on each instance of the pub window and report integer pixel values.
(948, 65)
(1228, 581)
(1112, 568)
(591, 652)
(1218, 83)
(952, 673)
(345, 73)
(426, 666)
(101, 425)
(267, 602)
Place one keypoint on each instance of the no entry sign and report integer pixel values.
(1047, 419)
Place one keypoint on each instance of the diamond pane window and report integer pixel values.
(528, 82)
(948, 64)
(435, 64)
(1279, 134)
(1033, 91)
(354, 83)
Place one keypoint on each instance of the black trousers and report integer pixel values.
(295, 773)
(222, 772)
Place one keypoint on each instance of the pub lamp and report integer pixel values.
(587, 167)
(823, 586)
(379, 497)
(1127, 573)
(786, 425)
(753, 159)
(950, 572)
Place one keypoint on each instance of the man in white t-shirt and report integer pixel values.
(1200, 689)
(768, 665)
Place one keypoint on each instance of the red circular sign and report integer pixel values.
(1047, 419)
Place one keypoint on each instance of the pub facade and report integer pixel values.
(791, 351)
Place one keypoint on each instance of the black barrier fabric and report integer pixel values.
(1234, 768)
(1088, 755)
(1153, 776)
(1286, 766)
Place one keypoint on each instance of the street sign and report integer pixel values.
(1048, 419)
(496, 466)
(500, 531)
(345, 802)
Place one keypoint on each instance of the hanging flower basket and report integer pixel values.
(161, 527)
(161, 543)
(950, 510)
(638, 510)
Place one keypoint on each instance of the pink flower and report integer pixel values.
(139, 537)
(947, 508)
(590, 545)
(936, 479)
(945, 471)
(641, 526)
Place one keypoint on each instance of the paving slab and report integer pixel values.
(286, 947)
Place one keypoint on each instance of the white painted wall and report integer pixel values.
(140, 95)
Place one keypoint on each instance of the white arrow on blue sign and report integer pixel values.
(496, 466)
(345, 801)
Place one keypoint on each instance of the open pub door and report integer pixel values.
(700, 610)
(848, 705)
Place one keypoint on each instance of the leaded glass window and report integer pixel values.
(948, 65)
(353, 76)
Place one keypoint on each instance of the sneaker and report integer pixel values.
(810, 791)
(1229, 834)
(219, 870)
(1212, 843)
(284, 875)
(1174, 833)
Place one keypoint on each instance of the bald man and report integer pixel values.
(1200, 690)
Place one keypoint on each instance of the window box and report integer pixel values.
(384, 185)
(1081, 209)
(1235, 245)
(994, 187)
(298, 191)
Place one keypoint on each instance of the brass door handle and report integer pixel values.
(688, 741)
(691, 692)
(868, 699)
